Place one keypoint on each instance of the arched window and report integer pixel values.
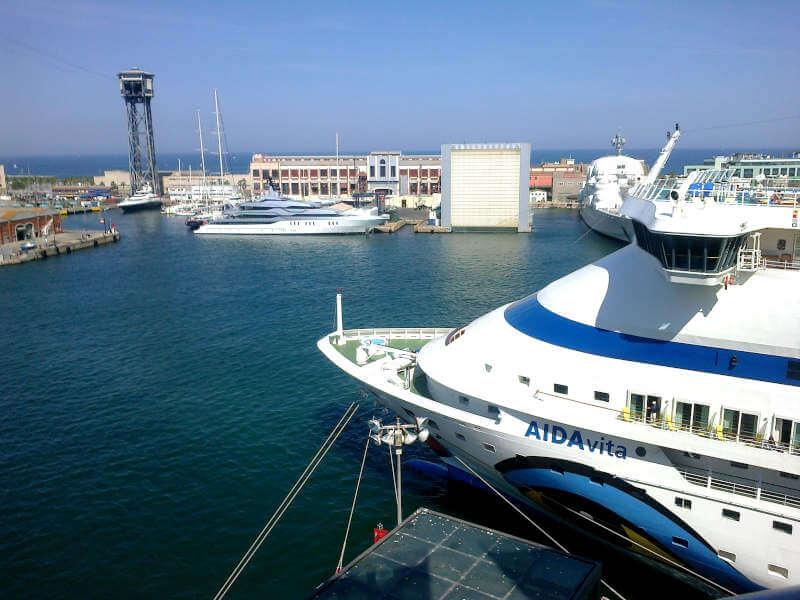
(383, 168)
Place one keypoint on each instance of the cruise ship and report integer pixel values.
(608, 180)
(274, 214)
(651, 398)
(143, 199)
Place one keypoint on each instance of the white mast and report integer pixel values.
(202, 153)
(337, 164)
(672, 139)
(180, 177)
(219, 137)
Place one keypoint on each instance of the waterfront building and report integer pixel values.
(486, 186)
(314, 176)
(3, 178)
(782, 170)
(562, 180)
(19, 224)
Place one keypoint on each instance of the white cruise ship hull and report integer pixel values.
(609, 224)
(575, 473)
(341, 225)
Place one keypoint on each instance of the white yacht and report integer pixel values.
(274, 214)
(607, 183)
(651, 398)
(143, 199)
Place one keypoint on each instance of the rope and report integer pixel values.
(353, 507)
(289, 498)
(660, 556)
(394, 476)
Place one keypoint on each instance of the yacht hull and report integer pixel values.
(611, 225)
(137, 206)
(302, 227)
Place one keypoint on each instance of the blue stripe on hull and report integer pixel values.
(533, 319)
(658, 526)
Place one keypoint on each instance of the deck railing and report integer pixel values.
(751, 489)
(397, 333)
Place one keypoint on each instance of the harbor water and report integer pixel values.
(161, 395)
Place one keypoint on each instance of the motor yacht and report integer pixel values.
(274, 214)
(143, 199)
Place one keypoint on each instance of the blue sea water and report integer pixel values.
(161, 395)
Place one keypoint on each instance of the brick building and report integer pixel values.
(19, 224)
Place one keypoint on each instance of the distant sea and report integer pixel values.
(239, 162)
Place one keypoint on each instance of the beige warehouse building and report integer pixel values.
(486, 186)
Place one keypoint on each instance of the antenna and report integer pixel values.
(618, 142)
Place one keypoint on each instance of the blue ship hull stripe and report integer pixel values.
(533, 319)
(657, 525)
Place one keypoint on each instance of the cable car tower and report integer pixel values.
(136, 88)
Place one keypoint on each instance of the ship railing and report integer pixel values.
(396, 333)
(787, 265)
(745, 487)
(709, 431)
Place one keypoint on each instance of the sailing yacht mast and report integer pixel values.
(219, 138)
(202, 153)
(337, 165)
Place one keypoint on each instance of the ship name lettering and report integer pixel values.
(556, 434)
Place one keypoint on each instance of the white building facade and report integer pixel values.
(486, 186)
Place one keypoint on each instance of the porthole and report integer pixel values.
(731, 514)
(524, 380)
(784, 527)
(729, 556)
(779, 571)
(640, 451)
(559, 388)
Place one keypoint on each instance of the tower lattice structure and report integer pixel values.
(136, 88)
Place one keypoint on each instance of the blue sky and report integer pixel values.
(402, 75)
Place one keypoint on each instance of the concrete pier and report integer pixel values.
(393, 226)
(425, 228)
(62, 243)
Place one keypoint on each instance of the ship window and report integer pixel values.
(680, 542)
(683, 502)
(737, 425)
(559, 388)
(461, 437)
(489, 447)
(793, 370)
(791, 172)
(738, 465)
(691, 417)
(493, 410)
(779, 571)
(748, 173)
(730, 556)
(784, 527)
(636, 406)
(788, 475)
(696, 254)
(433, 424)
(524, 380)
(463, 400)
(601, 396)
(730, 514)
(783, 171)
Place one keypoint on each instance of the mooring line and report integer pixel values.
(289, 498)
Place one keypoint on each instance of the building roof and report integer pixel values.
(13, 213)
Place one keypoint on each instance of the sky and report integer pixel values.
(403, 75)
